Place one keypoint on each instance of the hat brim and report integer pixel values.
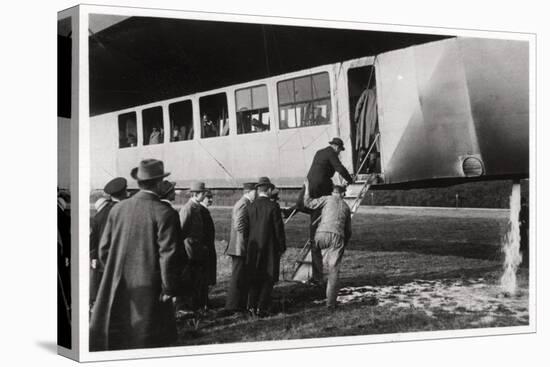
(334, 143)
(265, 184)
(134, 175)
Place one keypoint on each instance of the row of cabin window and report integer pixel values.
(303, 101)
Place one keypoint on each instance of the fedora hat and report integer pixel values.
(264, 181)
(149, 169)
(198, 187)
(337, 141)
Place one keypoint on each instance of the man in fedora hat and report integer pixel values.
(237, 292)
(193, 232)
(325, 164)
(143, 259)
(332, 234)
(266, 243)
(116, 189)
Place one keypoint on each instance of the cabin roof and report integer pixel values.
(140, 60)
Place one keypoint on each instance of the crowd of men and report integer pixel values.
(151, 263)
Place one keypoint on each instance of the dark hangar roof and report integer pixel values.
(141, 60)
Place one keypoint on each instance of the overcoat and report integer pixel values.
(237, 240)
(209, 240)
(192, 224)
(97, 226)
(266, 239)
(325, 163)
(143, 259)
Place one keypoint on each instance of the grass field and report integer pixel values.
(405, 270)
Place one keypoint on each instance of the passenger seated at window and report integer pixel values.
(155, 136)
(244, 121)
(319, 119)
(209, 127)
(132, 140)
(176, 135)
(259, 126)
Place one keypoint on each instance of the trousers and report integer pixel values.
(238, 285)
(334, 245)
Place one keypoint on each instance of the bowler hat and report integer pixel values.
(249, 186)
(264, 181)
(337, 141)
(198, 187)
(149, 169)
(116, 185)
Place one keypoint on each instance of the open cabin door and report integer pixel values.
(363, 118)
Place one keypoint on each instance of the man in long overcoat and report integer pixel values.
(117, 191)
(193, 230)
(266, 244)
(209, 240)
(237, 292)
(143, 260)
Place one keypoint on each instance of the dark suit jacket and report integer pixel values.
(193, 231)
(325, 163)
(210, 242)
(143, 258)
(266, 239)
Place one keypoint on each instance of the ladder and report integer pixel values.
(354, 195)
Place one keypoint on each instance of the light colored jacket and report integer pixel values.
(335, 215)
(238, 239)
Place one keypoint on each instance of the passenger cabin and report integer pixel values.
(450, 109)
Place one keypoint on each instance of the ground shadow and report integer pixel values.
(48, 346)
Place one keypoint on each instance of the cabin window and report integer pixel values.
(214, 117)
(252, 110)
(127, 130)
(304, 101)
(181, 121)
(153, 130)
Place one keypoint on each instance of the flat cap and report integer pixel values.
(116, 185)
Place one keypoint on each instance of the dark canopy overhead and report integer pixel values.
(141, 60)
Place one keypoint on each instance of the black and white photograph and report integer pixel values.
(261, 183)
